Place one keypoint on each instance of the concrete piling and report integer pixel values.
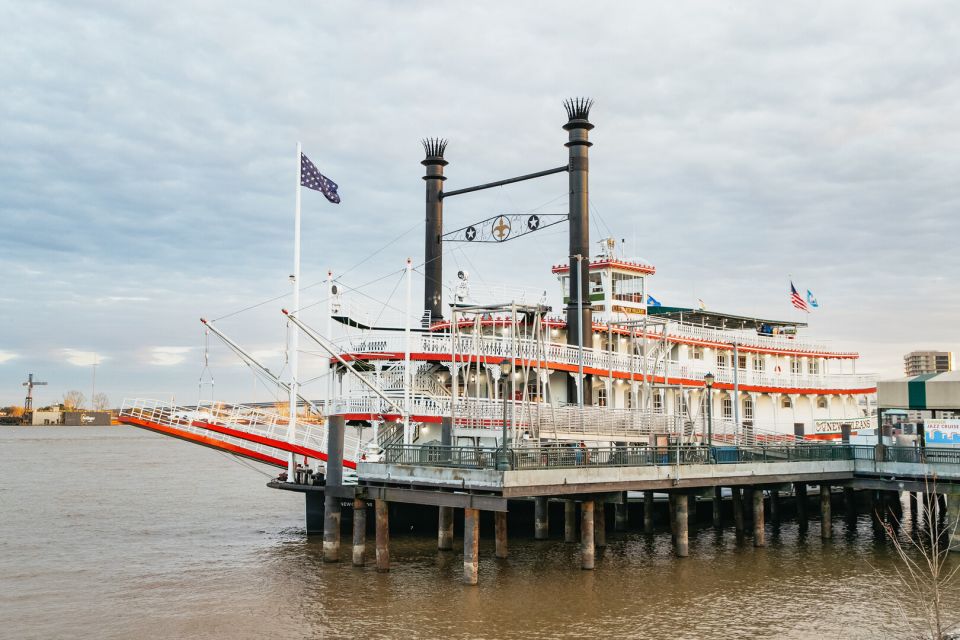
(569, 521)
(717, 507)
(681, 540)
(600, 525)
(331, 529)
(737, 509)
(587, 551)
(382, 518)
(445, 529)
(648, 511)
(541, 518)
(471, 545)
(826, 526)
(359, 532)
(758, 529)
(500, 532)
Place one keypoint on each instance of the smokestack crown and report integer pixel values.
(434, 148)
(578, 113)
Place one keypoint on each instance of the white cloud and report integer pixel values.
(168, 356)
(7, 355)
(82, 358)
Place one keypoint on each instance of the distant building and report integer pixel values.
(46, 417)
(918, 363)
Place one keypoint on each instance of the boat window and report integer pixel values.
(757, 362)
(741, 362)
(721, 360)
(795, 366)
(657, 402)
(696, 353)
(821, 403)
(727, 407)
(748, 409)
(596, 283)
(601, 397)
(813, 366)
(786, 403)
(628, 287)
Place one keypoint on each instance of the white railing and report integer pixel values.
(746, 338)
(309, 433)
(529, 350)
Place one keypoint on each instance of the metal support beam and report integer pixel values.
(500, 183)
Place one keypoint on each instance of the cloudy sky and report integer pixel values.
(147, 166)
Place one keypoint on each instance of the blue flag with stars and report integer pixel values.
(653, 302)
(313, 179)
(811, 300)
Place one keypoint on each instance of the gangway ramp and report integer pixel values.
(252, 432)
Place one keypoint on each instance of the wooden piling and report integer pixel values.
(758, 529)
(681, 540)
(826, 526)
(600, 525)
(648, 511)
(587, 551)
(359, 532)
(445, 529)
(737, 493)
(500, 532)
(717, 507)
(382, 518)
(621, 513)
(800, 491)
(541, 518)
(331, 529)
(569, 521)
(471, 545)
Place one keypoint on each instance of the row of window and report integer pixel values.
(759, 363)
(726, 404)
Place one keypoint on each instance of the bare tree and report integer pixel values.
(100, 402)
(924, 582)
(73, 400)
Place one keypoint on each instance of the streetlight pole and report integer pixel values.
(505, 373)
(708, 383)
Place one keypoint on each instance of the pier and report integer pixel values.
(467, 481)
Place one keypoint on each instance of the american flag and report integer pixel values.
(796, 300)
(313, 179)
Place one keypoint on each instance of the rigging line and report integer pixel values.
(236, 458)
(253, 306)
(367, 295)
(396, 239)
(389, 298)
(600, 217)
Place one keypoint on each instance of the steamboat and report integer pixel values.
(601, 364)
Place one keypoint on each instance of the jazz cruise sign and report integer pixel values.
(942, 432)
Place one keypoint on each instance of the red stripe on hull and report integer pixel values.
(271, 442)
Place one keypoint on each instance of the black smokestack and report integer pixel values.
(433, 248)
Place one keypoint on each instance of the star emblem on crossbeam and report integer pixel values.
(533, 222)
(470, 234)
(501, 229)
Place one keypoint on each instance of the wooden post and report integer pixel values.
(621, 513)
(717, 506)
(471, 545)
(758, 530)
(382, 517)
(587, 551)
(648, 511)
(541, 518)
(359, 532)
(737, 509)
(800, 490)
(500, 532)
(600, 524)
(681, 540)
(445, 529)
(826, 526)
(331, 529)
(569, 521)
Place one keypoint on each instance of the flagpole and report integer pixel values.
(293, 347)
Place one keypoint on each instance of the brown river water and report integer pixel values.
(112, 532)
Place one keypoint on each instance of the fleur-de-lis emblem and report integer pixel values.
(501, 229)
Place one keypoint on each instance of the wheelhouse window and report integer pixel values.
(628, 287)
(596, 283)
